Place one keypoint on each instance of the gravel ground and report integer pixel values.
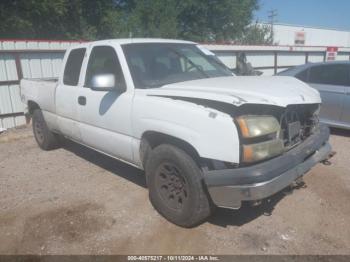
(76, 201)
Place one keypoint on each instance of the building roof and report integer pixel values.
(143, 40)
(307, 26)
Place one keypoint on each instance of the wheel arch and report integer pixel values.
(152, 139)
(32, 106)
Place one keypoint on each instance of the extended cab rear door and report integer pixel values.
(105, 122)
(67, 93)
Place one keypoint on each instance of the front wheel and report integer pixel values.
(175, 186)
(43, 136)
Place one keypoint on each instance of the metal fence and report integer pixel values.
(41, 58)
(29, 59)
(273, 59)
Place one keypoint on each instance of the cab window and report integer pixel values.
(73, 66)
(104, 60)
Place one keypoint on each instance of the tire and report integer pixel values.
(176, 187)
(43, 136)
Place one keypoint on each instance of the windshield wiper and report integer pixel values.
(191, 63)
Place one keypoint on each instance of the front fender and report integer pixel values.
(219, 142)
(212, 133)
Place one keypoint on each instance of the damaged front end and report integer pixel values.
(288, 147)
(280, 129)
(230, 187)
(266, 131)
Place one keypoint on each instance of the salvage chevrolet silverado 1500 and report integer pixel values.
(204, 137)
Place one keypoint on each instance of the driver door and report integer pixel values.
(105, 123)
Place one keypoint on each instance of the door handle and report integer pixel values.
(82, 100)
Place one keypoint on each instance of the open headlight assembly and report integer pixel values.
(265, 130)
(260, 151)
(255, 126)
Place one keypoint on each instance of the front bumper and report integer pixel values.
(229, 187)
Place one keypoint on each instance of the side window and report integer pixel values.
(104, 60)
(302, 75)
(73, 66)
(330, 75)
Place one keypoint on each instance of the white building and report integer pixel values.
(310, 36)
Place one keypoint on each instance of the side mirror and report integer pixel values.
(103, 82)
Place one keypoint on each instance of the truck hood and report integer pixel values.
(274, 90)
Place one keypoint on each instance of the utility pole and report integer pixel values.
(272, 14)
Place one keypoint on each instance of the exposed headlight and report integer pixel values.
(255, 126)
(258, 127)
(260, 151)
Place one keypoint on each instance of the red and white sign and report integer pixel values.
(331, 54)
(299, 38)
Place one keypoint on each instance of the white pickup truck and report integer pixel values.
(204, 137)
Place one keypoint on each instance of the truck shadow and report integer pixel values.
(340, 132)
(224, 217)
(110, 164)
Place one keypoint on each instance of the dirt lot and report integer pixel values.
(76, 201)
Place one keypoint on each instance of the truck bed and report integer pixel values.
(40, 91)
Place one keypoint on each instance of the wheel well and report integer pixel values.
(152, 139)
(32, 106)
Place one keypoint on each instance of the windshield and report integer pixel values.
(157, 64)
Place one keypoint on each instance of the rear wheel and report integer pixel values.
(175, 186)
(43, 136)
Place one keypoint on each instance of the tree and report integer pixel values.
(215, 20)
(198, 20)
(54, 19)
(25, 18)
(153, 18)
(256, 34)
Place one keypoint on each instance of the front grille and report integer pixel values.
(297, 123)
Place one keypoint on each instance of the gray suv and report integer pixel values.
(332, 80)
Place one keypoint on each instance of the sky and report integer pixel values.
(319, 13)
